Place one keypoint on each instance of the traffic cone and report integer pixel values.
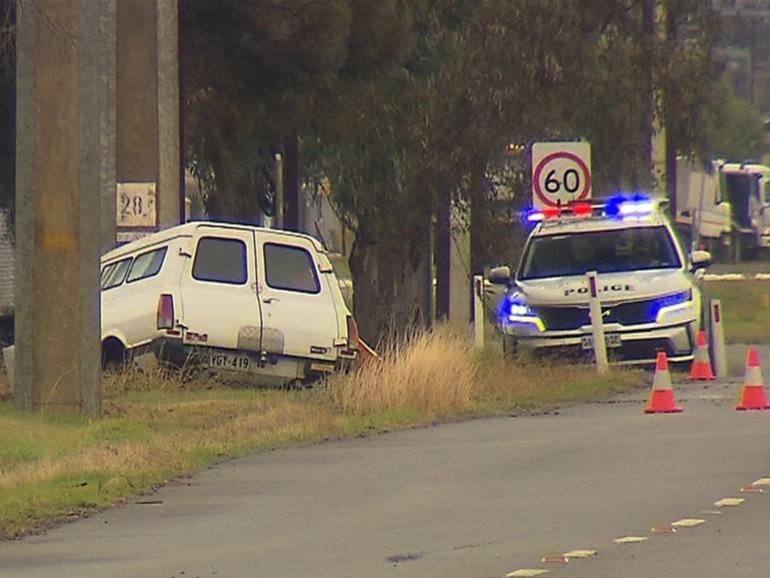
(753, 386)
(701, 365)
(662, 397)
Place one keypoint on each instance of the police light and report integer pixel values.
(633, 207)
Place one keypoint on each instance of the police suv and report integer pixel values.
(647, 285)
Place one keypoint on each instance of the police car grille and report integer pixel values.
(563, 318)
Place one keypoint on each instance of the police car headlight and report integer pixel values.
(517, 311)
(672, 304)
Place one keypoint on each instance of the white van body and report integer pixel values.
(237, 297)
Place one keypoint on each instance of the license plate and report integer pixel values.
(610, 340)
(231, 361)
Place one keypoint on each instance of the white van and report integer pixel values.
(231, 297)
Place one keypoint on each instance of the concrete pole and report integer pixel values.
(62, 94)
(147, 102)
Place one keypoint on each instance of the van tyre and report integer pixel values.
(114, 356)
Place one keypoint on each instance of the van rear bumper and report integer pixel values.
(174, 352)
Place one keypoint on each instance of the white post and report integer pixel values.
(718, 350)
(278, 217)
(478, 311)
(597, 324)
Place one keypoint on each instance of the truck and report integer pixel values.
(724, 206)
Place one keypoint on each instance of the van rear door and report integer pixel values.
(219, 290)
(299, 316)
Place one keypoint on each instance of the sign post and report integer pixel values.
(561, 173)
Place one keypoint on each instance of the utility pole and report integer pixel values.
(63, 141)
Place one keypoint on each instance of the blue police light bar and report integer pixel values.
(629, 207)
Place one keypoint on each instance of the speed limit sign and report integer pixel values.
(561, 173)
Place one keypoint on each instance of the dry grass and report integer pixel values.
(429, 371)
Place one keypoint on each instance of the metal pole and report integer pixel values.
(278, 191)
(597, 324)
(478, 311)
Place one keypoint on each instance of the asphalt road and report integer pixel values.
(482, 498)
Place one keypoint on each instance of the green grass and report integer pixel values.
(746, 309)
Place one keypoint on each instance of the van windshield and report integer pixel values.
(632, 249)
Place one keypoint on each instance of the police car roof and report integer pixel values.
(569, 224)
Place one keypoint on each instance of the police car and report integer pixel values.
(647, 285)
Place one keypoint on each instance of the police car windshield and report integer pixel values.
(632, 249)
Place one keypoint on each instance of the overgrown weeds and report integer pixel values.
(428, 371)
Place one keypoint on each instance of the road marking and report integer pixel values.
(663, 530)
(761, 482)
(752, 489)
(687, 523)
(711, 512)
(579, 554)
(557, 559)
(724, 502)
(630, 539)
(526, 573)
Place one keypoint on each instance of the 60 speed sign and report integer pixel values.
(561, 173)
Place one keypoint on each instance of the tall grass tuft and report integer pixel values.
(431, 371)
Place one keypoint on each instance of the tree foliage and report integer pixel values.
(407, 105)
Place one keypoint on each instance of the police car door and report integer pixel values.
(219, 292)
(299, 318)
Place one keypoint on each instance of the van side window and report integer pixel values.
(146, 265)
(290, 268)
(115, 273)
(220, 260)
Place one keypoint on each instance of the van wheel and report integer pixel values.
(114, 355)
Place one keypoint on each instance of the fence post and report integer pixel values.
(717, 333)
(478, 311)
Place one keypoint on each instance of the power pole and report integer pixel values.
(63, 141)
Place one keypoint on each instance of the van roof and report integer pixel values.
(188, 229)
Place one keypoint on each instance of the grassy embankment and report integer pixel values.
(155, 427)
(746, 307)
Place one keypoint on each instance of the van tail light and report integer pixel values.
(353, 338)
(165, 318)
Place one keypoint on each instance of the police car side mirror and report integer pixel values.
(700, 260)
(500, 275)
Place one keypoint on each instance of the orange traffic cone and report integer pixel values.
(753, 385)
(701, 365)
(662, 397)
